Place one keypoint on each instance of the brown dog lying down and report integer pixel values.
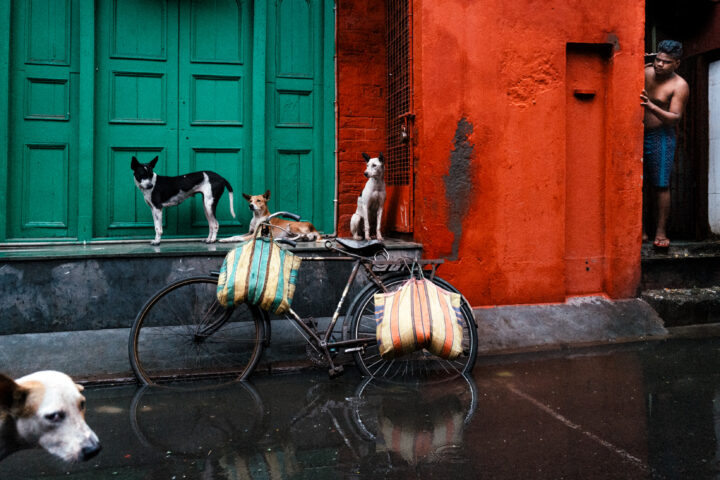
(45, 409)
(297, 231)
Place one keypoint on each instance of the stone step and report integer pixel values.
(685, 306)
(683, 265)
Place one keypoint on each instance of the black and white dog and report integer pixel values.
(160, 191)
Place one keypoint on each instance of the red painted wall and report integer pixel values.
(491, 168)
(495, 118)
(361, 97)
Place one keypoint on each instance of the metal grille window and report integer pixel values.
(399, 63)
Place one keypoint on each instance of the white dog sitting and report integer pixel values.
(371, 201)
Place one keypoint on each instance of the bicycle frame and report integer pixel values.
(318, 339)
(322, 339)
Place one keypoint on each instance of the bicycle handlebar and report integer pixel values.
(292, 243)
(284, 214)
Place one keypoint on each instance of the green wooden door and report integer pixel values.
(183, 80)
(171, 83)
(214, 113)
(136, 109)
(244, 88)
(42, 172)
(300, 117)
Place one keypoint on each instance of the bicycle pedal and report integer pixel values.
(336, 372)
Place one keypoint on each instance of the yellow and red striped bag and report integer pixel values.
(419, 315)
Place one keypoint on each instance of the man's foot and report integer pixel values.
(661, 242)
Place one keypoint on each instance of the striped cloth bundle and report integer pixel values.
(419, 315)
(259, 272)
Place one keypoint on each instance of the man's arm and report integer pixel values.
(677, 105)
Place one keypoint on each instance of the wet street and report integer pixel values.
(630, 412)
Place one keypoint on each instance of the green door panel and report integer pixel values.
(136, 110)
(215, 108)
(42, 152)
(300, 159)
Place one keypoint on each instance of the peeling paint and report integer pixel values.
(459, 182)
(528, 77)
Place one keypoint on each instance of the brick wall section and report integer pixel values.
(361, 97)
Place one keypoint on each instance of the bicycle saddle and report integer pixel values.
(361, 247)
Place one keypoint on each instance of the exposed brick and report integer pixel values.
(361, 90)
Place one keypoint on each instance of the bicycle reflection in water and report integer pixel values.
(278, 430)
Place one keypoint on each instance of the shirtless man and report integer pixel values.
(663, 99)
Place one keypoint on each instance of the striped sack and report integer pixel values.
(259, 272)
(419, 315)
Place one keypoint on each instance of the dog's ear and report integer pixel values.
(134, 163)
(12, 395)
(246, 196)
(366, 156)
(267, 195)
(381, 158)
(153, 162)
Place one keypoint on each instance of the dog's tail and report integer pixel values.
(230, 194)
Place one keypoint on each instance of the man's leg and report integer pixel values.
(663, 208)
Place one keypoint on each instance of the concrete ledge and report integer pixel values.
(19, 252)
(581, 321)
(75, 288)
(103, 354)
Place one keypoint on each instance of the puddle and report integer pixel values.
(651, 411)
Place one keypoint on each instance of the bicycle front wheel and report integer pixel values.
(420, 364)
(183, 333)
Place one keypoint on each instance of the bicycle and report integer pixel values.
(182, 332)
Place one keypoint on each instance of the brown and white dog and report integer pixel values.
(371, 201)
(297, 231)
(45, 409)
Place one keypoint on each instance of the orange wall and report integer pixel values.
(491, 101)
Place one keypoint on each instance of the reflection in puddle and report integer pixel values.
(418, 423)
(644, 412)
(247, 431)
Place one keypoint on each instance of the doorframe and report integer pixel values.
(5, 10)
(86, 121)
(258, 118)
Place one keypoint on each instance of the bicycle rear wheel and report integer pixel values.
(183, 333)
(420, 364)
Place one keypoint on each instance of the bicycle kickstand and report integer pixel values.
(335, 370)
